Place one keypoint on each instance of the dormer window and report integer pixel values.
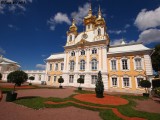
(82, 52)
(99, 31)
(94, 51)
(72, 53)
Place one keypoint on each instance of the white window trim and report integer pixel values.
(97, 64)
(130, 82)
(57, 67)
(128, 63)
(111, 84)
(116, 64)
(142, 63)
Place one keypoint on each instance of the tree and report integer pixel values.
(0, 76)
(31, 78)
(80, 80)
(156, 59)
(60, 80)
(99, 86)
(145, 84)
(18, 77)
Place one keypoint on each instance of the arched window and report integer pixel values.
(94, 64)
(82, 65)
(138, 63)
(94, 51)
(71, 65)
(72, 53)
(82, 52)
(99, 31)
(70, 37)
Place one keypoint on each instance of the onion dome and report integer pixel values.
(100, 20)
(73, 28)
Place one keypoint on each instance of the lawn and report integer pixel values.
(105, 111)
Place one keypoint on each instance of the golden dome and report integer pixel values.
(100, 20)
(89, 18)
(73, 27)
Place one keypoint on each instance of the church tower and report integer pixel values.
(71, 34)
(89, 20)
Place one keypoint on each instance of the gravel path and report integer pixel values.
(60, 93)
(148, 106)
(11, 111)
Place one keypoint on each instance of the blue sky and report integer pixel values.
(34, 29)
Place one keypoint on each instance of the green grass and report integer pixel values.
(127, 110)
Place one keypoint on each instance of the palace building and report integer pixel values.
(86, 53)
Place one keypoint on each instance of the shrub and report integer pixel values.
(18, 77)
(0, 76)
(80, 80)
(156, 83)
(60, 80)
(99, 86)
(145, 84)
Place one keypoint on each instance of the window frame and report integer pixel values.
(94, 79)
(82, 65)
(72, 64)
(94, 51)
(71, 78)
(94, 64)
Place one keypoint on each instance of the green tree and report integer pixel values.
(156, 59)
(0, 76)
(80, 80)
(31, 78)
(145, 84)
(60, 80)
(99, 86)
(18, 77)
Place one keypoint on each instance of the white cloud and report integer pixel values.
(117, 31)
(116, 41)
(41, 66)
(13, 27)
(82, 12)
(59, 18)
(2, 51)
(13, 5)
(149, 36)
(127, 26)
(148, 19)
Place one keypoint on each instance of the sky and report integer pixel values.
(32, 30)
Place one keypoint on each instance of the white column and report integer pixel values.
(87, 62)
(99, 57)
(104, 57)
(65, 66)
(77, 56)
(67, 61)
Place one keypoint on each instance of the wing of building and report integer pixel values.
(7, 66)
(88, 52)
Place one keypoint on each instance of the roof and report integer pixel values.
(56, 56)
(123, 48)
(5, 61)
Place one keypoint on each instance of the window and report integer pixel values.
(114, 81)
(138, 64)
(72, 53)
(55, 77)
(124, 64)
(138, 81)
(70, 37)
(113, 64)
(126, 82)
(62, 66)
(94, 64)
(82, 76)
(99, 31)
(94, 79)
(56, 66)
(49, 78)
(50, 67)
(71, 77)
(72, 65)
(94, 51)
(82, 65)
(88, 26)
(82, 52)
(39, 78)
